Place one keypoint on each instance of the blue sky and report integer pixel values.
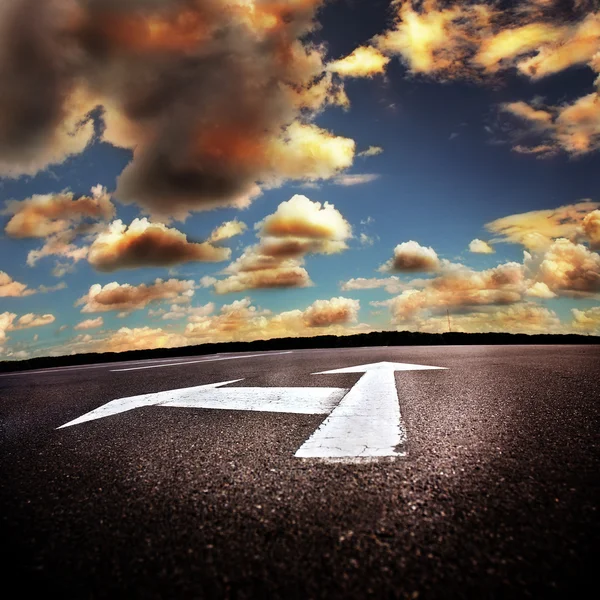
(459, 141)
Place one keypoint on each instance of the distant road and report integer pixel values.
(482, 482)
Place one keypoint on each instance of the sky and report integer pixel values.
(179, 172)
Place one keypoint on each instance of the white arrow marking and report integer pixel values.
(363, 424)
(305, 401)
(366, 425)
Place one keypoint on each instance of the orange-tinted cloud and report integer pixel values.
(139, 338)
(459, 287)
(586, 321)
(564, 47)
(9, 288)
(300, 217)
(364, 61)
(570, 269)
(32, 320)
(42, 216)
(572, 128)
(434, 38)
(538, 117)
(392, 284)
(336, 311)
(243, 321)
(214, 97)
(591, 228)
(461, 39)
(284, 276)
(125, 297)
(537, 229)
(6, 320)
(519, 318)
(146, 244)
(298, 227)
(10, 322)
(59, 219)
(227, 230)
(89, 324)
(412, 257)
(540, 290)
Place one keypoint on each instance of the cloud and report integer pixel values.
(538, 117)
(355, 179)
(238, 321)
(227, 230)
(192, 313)
(243, 321)
(478, 41)
(458, 288)
(564, 46)
(300, 217)
(286, 275)
(297, 228)
(214, 98)
(475, 40)
(41, 216)
(146, 244)
(366, 240)
(540, 290)
(371, 151)
(591, 228)
(572, 128)
(537, 229)
(336, 311)
(392, 284)
(46, 289)
(9, 322)
(125, 297)
(433, 39)
(410, 257)
(6, 321)
(9, 288)
(42, 122)
(364, 61)
(89, 324)
(59, 219)
(519, 318)
(570, 269)
(478, 246)
(586, 321)
(541, 150)
(32, 320)
(140, 338)
(504, 49)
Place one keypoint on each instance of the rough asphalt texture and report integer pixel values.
(497, 497)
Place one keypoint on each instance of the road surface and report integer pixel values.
(493, 492)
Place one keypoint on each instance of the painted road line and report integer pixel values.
(367, 422)
(191, 362)
(50, 370)
(306, 401)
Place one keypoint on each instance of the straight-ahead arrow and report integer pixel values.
(366, 424)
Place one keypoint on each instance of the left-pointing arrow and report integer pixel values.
(306, 401)
(122, 405)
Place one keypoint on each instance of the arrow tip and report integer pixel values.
(380, 366)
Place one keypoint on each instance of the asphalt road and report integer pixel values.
(496, 498)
